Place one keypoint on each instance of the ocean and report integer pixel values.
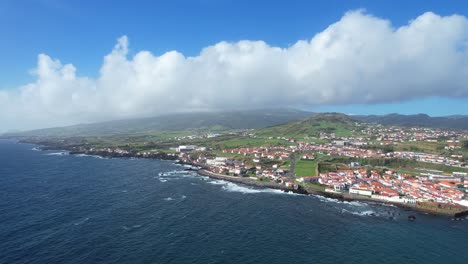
(60, 208)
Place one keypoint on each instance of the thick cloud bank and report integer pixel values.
(359, 59)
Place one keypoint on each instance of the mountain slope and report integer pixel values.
(177, 122)
(326, 123)
(423, 120)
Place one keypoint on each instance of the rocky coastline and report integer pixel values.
(309, 191)
(74, 150)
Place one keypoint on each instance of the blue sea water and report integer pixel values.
(59, 208)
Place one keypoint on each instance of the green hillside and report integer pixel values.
(212, 121)
(314, 126)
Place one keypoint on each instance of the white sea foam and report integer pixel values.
(86, 155)
(355, 203)
(218, 182)
(177, 174)
(82, 221)
(360, 213)
(331, 200)
(127, 228)
(62, 153)
(168, 199)
(163, 180)
(36, 149)
(232, 187)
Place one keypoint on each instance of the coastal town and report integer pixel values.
(355, 179)
(409, 166)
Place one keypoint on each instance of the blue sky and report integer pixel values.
(83, 32)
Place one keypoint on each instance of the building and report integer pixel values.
(187, 148)
(360, 191)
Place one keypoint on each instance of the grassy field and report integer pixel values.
(286, 165)
(341, 125)
(427, 147)
(410, 166)
(315, 186)
(252, 142)
(305, 168)
(134, 139)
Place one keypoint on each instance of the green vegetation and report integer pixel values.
(422, 120)
(331, 167)
(207, 121)
(448, 209)
(286, 165)
(421, 146)
(395, 163)
(305, 168)
(264, 179)
(252, 142)
(162, 134)
(321, 124)
(465, 144)
(315, 186)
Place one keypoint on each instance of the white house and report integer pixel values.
(359, 191)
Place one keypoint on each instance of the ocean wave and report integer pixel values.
(383, 204)
(182, 197)
(361, 213)
(218, 182)
(128, 228)
(86, 155)
(176, 174)
(232, 187)
(62, 153)
(163, 180)
(355, 203)
(36, 149)
(81, 221)
(331, 200)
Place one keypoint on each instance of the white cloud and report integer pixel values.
(359, 59)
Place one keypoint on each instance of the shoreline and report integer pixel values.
(245, 180)
(309, 191)
(249, 181)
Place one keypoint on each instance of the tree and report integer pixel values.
(465, 144)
